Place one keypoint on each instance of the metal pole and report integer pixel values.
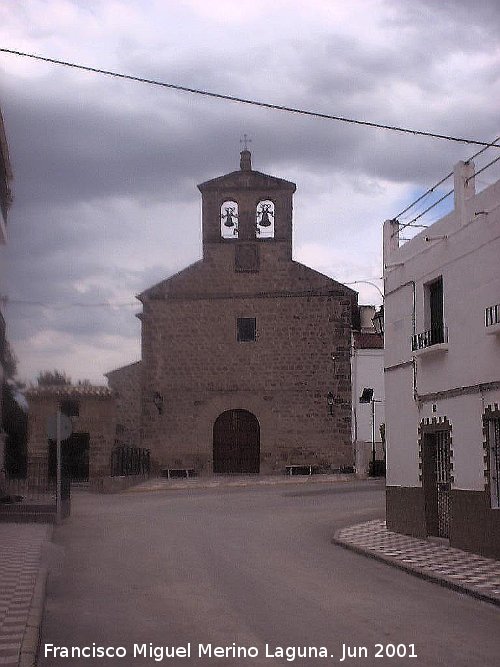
(373, 436)
(58, 473)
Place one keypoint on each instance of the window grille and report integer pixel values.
(494, 451)
(492, 315)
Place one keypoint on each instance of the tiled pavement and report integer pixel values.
(22, 583)
(456, 569)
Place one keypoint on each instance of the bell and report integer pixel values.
(265, 222)
(228, 214)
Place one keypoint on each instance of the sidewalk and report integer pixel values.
(460, 570)
(22, 591)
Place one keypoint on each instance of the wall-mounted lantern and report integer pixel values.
(330, 399)
(158, 401)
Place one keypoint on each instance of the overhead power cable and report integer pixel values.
(429, 208)
(486, 166)
(402, 226)
(242, 100)
(436, 185)
(63, 306)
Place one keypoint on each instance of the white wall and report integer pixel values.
(367, 370)
(468, 260)
(368, 367)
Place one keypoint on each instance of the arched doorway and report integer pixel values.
(236, 442)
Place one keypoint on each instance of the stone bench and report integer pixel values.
(301, 469)
(178, 473)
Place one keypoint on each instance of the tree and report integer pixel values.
(15, 425)
(51, 378)
(9, 361)
(14, 417)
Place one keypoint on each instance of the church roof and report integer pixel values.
(247, 179)
(193, 283)
(125, 368)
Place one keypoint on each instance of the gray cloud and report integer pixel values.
(106, 170)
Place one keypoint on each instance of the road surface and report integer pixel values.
(200, 577)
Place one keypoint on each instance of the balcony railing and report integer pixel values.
(425, 339)
(492, 315)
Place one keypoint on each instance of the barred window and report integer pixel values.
(494, 460)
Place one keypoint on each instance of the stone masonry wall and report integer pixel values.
(192, 358)
(97, 418)
(126, 383)
(194, 368)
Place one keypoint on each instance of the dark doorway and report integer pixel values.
(437, 482)
(236, 442)
(74, 457)
(436, 311)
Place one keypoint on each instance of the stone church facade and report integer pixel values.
(246, 353)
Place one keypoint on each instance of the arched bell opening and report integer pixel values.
(264, 219)
(229, 220)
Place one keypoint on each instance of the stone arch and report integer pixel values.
(236, 442)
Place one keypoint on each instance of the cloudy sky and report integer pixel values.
(105, 170)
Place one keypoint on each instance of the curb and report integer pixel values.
(210, 483)
(417, 572)
(31, 639)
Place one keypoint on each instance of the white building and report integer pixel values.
(442, 373)
(367, 373)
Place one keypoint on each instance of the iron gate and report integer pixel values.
(130, 461)
(494, 445)
(443, 482)
(437, 481)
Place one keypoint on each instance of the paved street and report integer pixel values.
(246, 567)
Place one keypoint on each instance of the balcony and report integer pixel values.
(492, 319)
(432, 340)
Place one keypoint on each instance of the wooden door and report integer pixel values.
(236, 445)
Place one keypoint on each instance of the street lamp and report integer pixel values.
(158, 401)
(367, 397)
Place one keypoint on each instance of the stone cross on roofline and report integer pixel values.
(245, 140)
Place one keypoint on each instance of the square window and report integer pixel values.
(245, 329)
(70, 407)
